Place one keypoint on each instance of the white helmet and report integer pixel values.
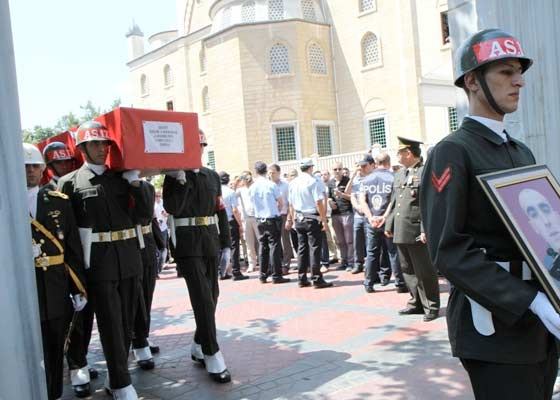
(32, 155)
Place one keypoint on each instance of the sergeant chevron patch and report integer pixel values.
(442, 181)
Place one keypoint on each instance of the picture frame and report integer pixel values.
(527, 200)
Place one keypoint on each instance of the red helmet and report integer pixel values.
(92, 131)
(57, 151)
(202, 138)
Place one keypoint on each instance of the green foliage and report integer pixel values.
(157, 181)
(67, 121)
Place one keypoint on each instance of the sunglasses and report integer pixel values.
(337, 169)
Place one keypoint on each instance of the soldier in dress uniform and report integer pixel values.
(59, 268)
(60, 161)
(200, 230)
(498, 318)
(141, 348)
(307, 211)
(106, 204)
(405, 227)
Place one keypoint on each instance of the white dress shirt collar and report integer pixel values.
(495, 126)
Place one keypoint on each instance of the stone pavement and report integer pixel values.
(286, 342)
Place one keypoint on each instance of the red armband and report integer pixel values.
(220, 204)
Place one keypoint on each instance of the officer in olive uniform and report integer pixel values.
(498, 318)
(59, 268)
(403, 224)
(140, 346)
(105, 203)
(199, 229)
(60, 161)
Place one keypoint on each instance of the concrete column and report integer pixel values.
(21, 353)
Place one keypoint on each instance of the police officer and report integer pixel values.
(375, 195)
(267, 202)
(200, 230)
(105, 203)
(235, 228)
(498, 318)
(404, 226)
(307, 211)
(60, 161)
(141, 348)
(59, 268)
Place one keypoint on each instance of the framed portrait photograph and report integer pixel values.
(528, 201)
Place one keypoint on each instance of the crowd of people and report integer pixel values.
(100, 236)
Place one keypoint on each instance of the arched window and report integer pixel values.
(367, 5)
(144, 85)
(316, 59)
(275, 10)
(248, 12)
(226, 17)
(279, 60)
(205, 99)
(308, 10)
(370, 50)
(202, 59)
(167, 76)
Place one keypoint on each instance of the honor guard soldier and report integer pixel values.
(266, 198)
(59, 268)
(307, 212)
(105, 203)
(199, 228)
(405, 227)
(141, 348)
(61, 161)
(498, 318)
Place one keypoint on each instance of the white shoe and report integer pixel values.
(125, 393)
(215, 363)
(196, 353)
(79, 376)
(251, 268)
(142, 354)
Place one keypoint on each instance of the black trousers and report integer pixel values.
(492, 381)
(270, 246)
(115, 304)
(201, 276)
(52, 334)
(309, 248)
(235, 245)
(420, 276)
(76, 357)
(148, 285)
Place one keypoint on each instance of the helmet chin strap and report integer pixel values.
(486, 90)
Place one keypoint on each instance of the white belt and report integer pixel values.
(114, 236)
(482, 318)
(196, 221)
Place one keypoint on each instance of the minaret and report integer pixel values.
(135, 42)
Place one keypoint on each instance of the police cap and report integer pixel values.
(306, 162)
(366, 159)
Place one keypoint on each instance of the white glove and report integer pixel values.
(543, 309)
(79, 302)
(179, 175)
(131, 176)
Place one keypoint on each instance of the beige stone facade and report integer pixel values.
(278, 80)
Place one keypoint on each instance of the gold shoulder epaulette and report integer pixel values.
(56, 193)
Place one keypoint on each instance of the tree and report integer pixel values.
(37, 134)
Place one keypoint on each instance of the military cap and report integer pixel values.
(405, 143)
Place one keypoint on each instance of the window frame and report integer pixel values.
(244, 6)
(269, 61)
(309, 59)
(274, 141)
(205, 97)
(379, 63)
(372, 116)
(331, 125)
(144, 86)
(361, 12)
(283, 10)
(171, 82)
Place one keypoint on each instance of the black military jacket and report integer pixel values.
(465, 236)
(404, 219)
(54, 212)
(106, 203)
(200, 196)
(149, 251)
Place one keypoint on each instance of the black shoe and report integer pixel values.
(369, 289)
(342, 267)
(154, 349)
(384, 281)
(225, 277)
(280, 280)
(222, 377)
(262, 279)
(357, 269)
(240, 277)
(285, 271)
(93, 374)
(304, 283)
(376, 280)
(333, 260)
(82, 390)
(198, 360)
(431, 315)
(410, 311)
(321, 284)
(402, 289)
(146, 364)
